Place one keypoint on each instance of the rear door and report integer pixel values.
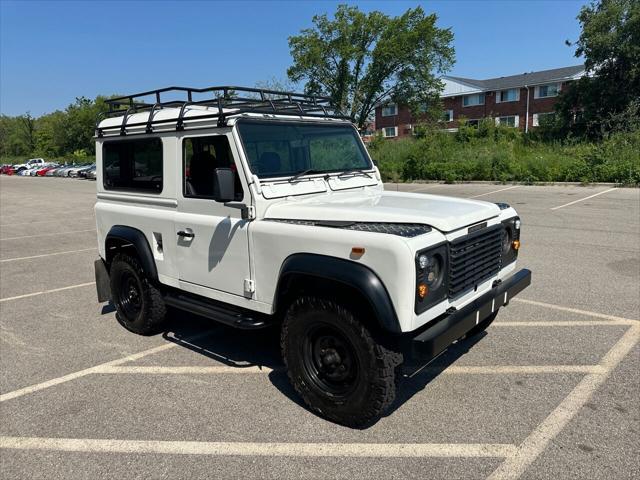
(212, 239)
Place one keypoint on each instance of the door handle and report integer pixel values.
(186, 233)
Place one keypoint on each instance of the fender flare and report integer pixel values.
(352, 274)
(133, 236)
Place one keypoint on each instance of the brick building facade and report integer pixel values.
(518, 101)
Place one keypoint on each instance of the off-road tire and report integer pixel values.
(482, 326)
(373, 379)
(149, 315)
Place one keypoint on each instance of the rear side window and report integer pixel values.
(133, 165)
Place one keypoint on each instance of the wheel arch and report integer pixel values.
(121, 237)
(307, 273)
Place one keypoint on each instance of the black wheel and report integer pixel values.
(139, 304)
(482, 326)
(334, 363)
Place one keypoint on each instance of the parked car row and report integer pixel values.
(37, 167)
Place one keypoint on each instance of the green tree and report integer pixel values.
(361, 59)
(610, 44)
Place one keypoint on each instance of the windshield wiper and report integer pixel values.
(303, 173)
(354, 171)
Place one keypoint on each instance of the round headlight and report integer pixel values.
(423, 262)
(506, 240)
(434, 270)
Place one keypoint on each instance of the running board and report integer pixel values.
(216, 311)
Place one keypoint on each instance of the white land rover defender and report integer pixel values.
(259, 208)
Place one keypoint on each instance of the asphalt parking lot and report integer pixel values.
(551, 391)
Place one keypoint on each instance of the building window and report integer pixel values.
(510, 95)
(390, 110)
(471, 100)
(133, 165)
(549, 90)
(448, 116)
(473, 123)
(539, 118)
(509, 121)
(390, 132)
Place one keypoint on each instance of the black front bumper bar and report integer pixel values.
(442, 332)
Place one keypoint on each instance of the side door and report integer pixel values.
(212, 239)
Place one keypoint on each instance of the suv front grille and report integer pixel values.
(474, 258)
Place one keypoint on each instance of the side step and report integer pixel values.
(217, 311)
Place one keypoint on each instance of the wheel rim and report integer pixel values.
(130, 296)
(330, 360)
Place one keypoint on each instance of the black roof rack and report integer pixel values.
(239, 99)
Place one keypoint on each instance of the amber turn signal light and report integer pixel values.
(516, 244)
(422, 290)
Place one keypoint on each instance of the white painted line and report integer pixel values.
(524, 369)
(81, 373)
(47, 255)
(367, 450)
(564, 323)
(573, 310)
(495, 191)
(59, 220)
(95, 369)
(583, 199)
(451, 370)
(507, 369)
(48, 234)
(188, 370)
(538, 440)
(27, 295)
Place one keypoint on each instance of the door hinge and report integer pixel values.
(249, 286)
(250, 213)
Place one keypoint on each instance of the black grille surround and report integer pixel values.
(474, 258)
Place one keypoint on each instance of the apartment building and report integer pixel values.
(518, 101)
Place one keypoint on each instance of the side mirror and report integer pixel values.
(224, 189)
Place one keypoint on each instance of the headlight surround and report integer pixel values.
(510, 236)
(431, 276)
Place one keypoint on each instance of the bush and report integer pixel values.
(490, 152)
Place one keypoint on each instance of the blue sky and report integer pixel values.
(52, 52)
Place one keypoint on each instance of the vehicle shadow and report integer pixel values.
(261, 348)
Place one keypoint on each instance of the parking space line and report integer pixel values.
(365, 450)
(563, 323)
(573, 310)
(82, 373)
(48, 234)
(495, 191)
(582, 199)
(27, 295)
(95, 369)
(451, 370)
(47, 255)
(538, 440)
(199, 370)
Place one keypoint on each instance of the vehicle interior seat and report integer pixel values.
(201, 178)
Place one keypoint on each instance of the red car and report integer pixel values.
(5, 169)
(43, 171)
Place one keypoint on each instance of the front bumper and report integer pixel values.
(427, 343)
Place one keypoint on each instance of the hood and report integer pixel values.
(444, 213)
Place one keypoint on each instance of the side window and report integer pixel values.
(201, 156)
(133, 165)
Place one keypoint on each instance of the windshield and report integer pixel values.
(278, 149)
